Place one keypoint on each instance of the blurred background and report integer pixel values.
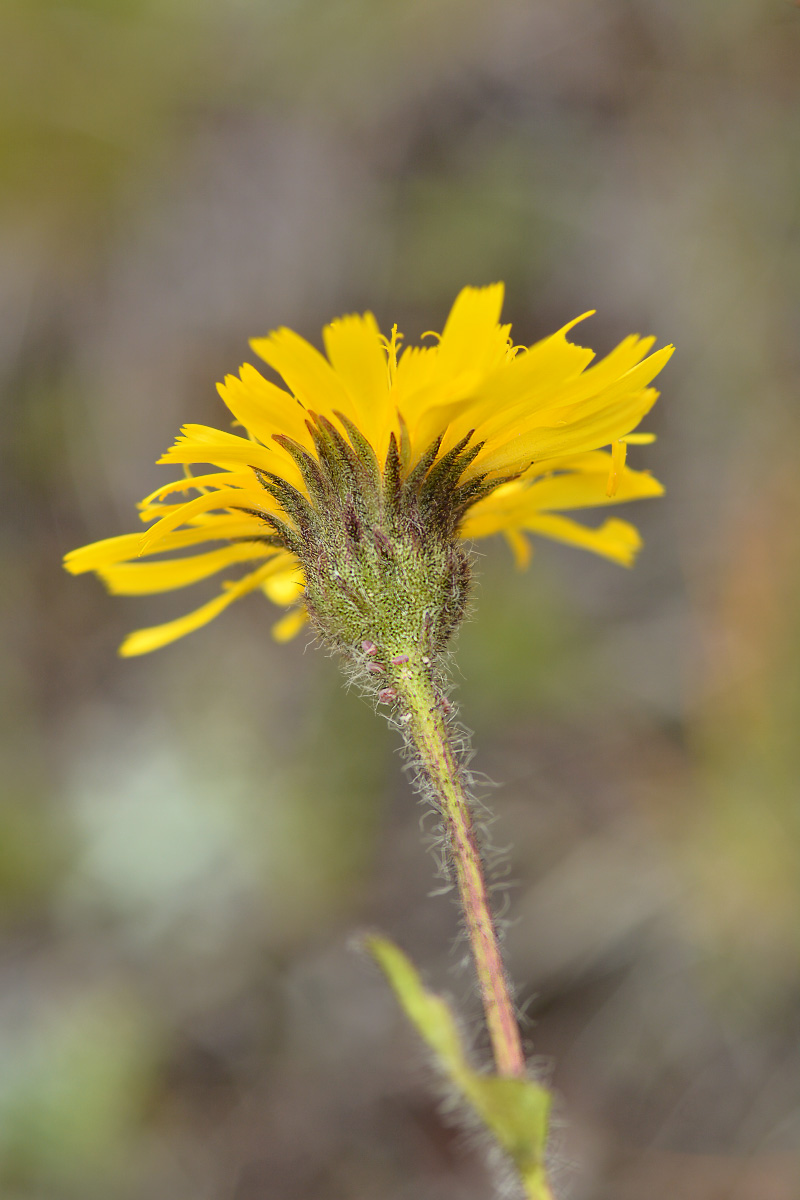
(189, 841)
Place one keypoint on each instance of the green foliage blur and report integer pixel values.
(188, 841)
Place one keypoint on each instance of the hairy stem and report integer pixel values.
(427, 730)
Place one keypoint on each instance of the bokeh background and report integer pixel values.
(189, 841)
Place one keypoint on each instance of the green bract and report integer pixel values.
(380, 554)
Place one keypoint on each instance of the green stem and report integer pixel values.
(427, 730)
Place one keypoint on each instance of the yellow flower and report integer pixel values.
(536, 421)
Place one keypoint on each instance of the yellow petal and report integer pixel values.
(96, 554)
(139, 579)
(640, 439)
(617, 540)
(518, 448)
(608, 371)
(127, 545)
(287, 586)
(471, 339)
(263, 407)
(309, 375)
(200, 444)
(227, 498)
(619, 450)
(143, 641)
(530, 381)
(562, 427)
(357, 355)
(416, 369)
(290, 625)
(583, 398)
(585, 490)
(520, 547)
(575, 483)
(472, 345)
(556, 374)
(218, 479)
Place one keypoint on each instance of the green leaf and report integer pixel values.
(515, 1111)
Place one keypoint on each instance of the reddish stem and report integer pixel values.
(429, 735)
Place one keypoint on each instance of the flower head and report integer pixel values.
(355, 486)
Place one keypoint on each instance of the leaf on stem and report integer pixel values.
(515, 1111)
